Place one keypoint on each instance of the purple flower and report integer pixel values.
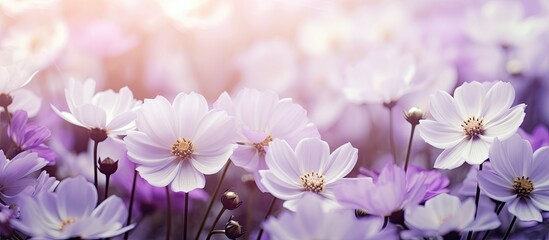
(538, 138)
(178, 143)
(445, 213)
(70, 212)
(465, 126)
(261, 118)
(7, 213)
(312, 221)
(389, 193)
(17, 175)
(518, 178)
(30, 137)
(309, 169)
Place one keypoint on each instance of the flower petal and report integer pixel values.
(160, 175)
(76, 198)
(540, 167)
(278, 187)
(453, 157)
(189, 109)
(444, 109)
(495, 186)
(507, 125)
(470, 98)
(524, 210)
(498, 100)
(188, 178)
(283, 161)
(439, 135)
(311, 153)
(340, 163)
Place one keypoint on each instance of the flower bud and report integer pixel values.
(98, 134)
(414, 115)
(360, 213)
(5, 100)
(108, 166)
(233, 229)
(230, 200)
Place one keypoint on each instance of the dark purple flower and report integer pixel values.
(30, 137)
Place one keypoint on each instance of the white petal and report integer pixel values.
(215, 131)
(68, 117)
(445, 110)
(498, 100)
(495, 186)
(478, 152)
(340, 163)
(145, 151)
(91, 116)
(278, 187)
(470, 98)
(283, 161)
(506, 126)
(211, 163)
(76, 198)
(160, 175)
(540, 167)
(189, 109)
(157, 120)
(439, 135)
(524, 210)
(453, 157)
(311, 153)
(509, 158)
(188, 179)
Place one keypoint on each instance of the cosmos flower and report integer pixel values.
(30, 137)
(518, 177)
(312, 221)
(392, 192)
(446, 213)
(113, 113)
(261, 118)
(71, 212)
(17, 174)
(14, 76)
(465, 126)
(178, 143)
(309, 169)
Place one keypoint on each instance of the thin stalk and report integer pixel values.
(266, 216)
(215, 221)
(385, 222)
(498, 210)
(132, 195)
(214, 196)
(409, 147)
(8, 116)
(95, 145)
(249, 212)
(107, 180)
(510, 227)
(215, 232)
(477, 199)
(169, 216)
(186, 216)
(391, 137)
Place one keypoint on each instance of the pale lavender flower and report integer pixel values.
(261, 118)
(465, 126)
(108, 111)
(17, 174)
(7, 213)
(518, 177)
(444, 214)
(24, 100)
(14, 76)
(313, 221)
(30, 137)
(178, 143)
(45, 183)
(389, 193)
(538, 138)
(71, 212)
(309, 169)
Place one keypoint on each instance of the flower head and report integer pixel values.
(261, 118)
(312, 221)
(70, 212)
(518, 177)
(113, 113)
(392, 192)
(17, 174)
(30, 137)
(177, 143)
(309, 169)
(445, 213)
(466, 125)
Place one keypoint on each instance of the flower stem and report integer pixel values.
(169, 217)
(409, 147)
(477, 199)
(249, 212)
(266, 216)
(107, 179)
(214, 196)
(389, 107)
(215, 232)
(215, 221)
(95, 145)
(498, 210)
(132, 195)
(385, 222)
(510, 227)
(186, 216)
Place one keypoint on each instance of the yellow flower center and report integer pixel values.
(183, 148)
(260, 146)
(473, 127)
(313, 182)
(67, 222)
(523, 186)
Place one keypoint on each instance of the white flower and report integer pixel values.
(465, 126)
(111, 112)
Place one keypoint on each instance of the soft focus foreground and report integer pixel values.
(275, 119)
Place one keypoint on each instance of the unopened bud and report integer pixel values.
(414, 115)
(108, 166)
(233, 229)
(230, 200)
(98, 134)
(5, 100)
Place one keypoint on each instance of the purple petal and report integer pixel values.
(495, 186)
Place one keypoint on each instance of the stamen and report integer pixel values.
(67, 222)
(313, 182)
(261, 145)
(523, 186)
(473, 127)
(183, 148)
